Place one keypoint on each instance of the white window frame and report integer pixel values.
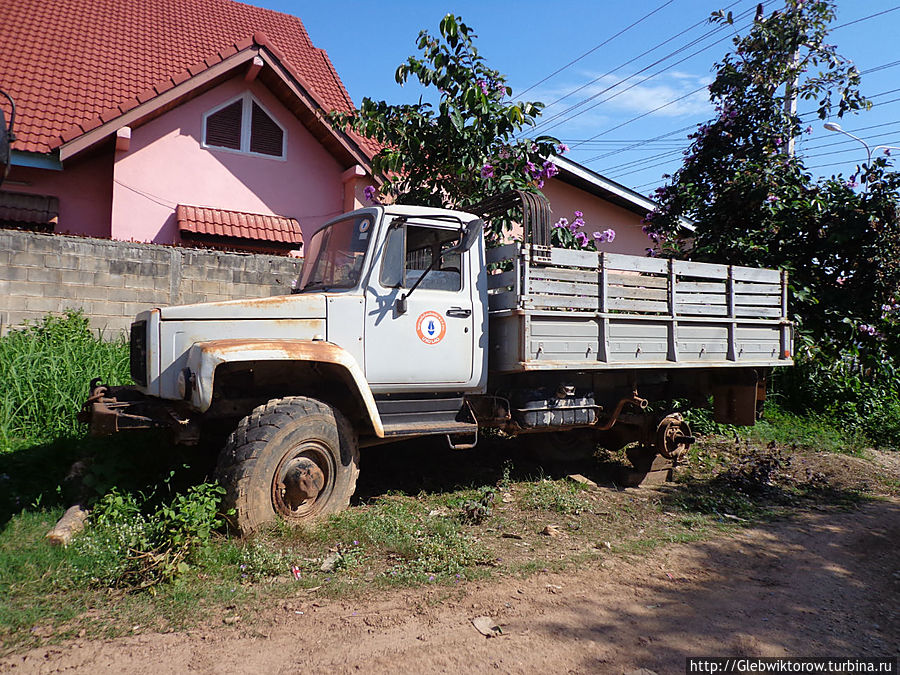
(248, 100)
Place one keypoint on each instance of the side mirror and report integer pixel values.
(471, 232)
(6, 137)
(4, 147)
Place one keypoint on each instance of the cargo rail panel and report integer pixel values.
(555, 308)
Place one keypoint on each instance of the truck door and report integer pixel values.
(432, 342)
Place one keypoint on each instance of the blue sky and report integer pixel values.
(529, 41)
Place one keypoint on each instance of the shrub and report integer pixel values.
(45, 368)
(132, 544)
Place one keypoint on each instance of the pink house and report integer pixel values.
(172, 121)
(200, 123)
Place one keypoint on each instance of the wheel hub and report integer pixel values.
(673, 437)
(300, 482)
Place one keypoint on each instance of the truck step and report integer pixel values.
(422, 428)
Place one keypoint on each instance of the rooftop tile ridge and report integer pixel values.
(334, 76)
(89, 123)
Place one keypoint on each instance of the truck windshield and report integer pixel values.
(334, 257)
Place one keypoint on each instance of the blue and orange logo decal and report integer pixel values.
(431, 327)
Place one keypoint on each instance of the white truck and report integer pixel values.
(402, 324)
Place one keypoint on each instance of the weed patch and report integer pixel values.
(45, 369)
(558, 496)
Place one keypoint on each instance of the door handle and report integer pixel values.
(459, 312)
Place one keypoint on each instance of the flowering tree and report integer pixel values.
(565, 234)
(464, 150)
(754, 204)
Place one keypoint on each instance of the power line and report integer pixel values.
(544, 123)
(632, 60)
(617, 174)
(640, 143)
(592, 50)
(551, 121)
(617, 171)
(643, 160)
(866, 18)
(652, 157)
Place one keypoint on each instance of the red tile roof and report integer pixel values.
(83, 62)
(201, 220)
(19, 209)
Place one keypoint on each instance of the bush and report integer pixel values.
(45, 369)
(131, 544)
(861, 400)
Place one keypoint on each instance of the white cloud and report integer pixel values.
(629, 98)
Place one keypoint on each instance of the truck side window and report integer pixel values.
(408, 252)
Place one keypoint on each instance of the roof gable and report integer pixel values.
(73, 65)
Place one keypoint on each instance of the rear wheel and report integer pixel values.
(294, 457)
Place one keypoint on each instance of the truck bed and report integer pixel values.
(553, 308)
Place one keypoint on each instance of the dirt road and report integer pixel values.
(823, 583)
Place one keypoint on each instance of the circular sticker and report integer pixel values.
(430, 327)
(364, 225)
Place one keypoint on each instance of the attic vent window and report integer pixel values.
(243, 125)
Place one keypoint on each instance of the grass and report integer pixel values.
(45, 369)
(425, 516)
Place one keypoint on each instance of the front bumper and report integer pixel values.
(109, 410)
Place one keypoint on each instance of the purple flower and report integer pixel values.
(581, 238)
(549, 170)
(487, 171)
(650, 252)
(540, 183)
(484, 86)
(504, 152)
(562, 148)
(369, 193)
(865, 328)
(778, 141)
(886, 308)
(808, 130)
(606, 235)
(562, 222)
(771, 198)
(852, 183)
(531, 168)
(579, 214)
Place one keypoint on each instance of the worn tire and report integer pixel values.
(294, 457)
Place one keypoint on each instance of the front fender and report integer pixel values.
(204, 357)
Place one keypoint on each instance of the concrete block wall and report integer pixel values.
(111, 281)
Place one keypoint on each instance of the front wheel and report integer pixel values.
(294, 457)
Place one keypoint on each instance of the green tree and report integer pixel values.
(753, 204)
(465, 149)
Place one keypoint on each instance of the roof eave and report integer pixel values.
(91, 137)
(581, 177)
(107, 125)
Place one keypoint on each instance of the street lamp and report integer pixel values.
(834, 126)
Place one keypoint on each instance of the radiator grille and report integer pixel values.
(139, 352)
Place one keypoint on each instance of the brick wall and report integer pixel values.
(111, 281)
